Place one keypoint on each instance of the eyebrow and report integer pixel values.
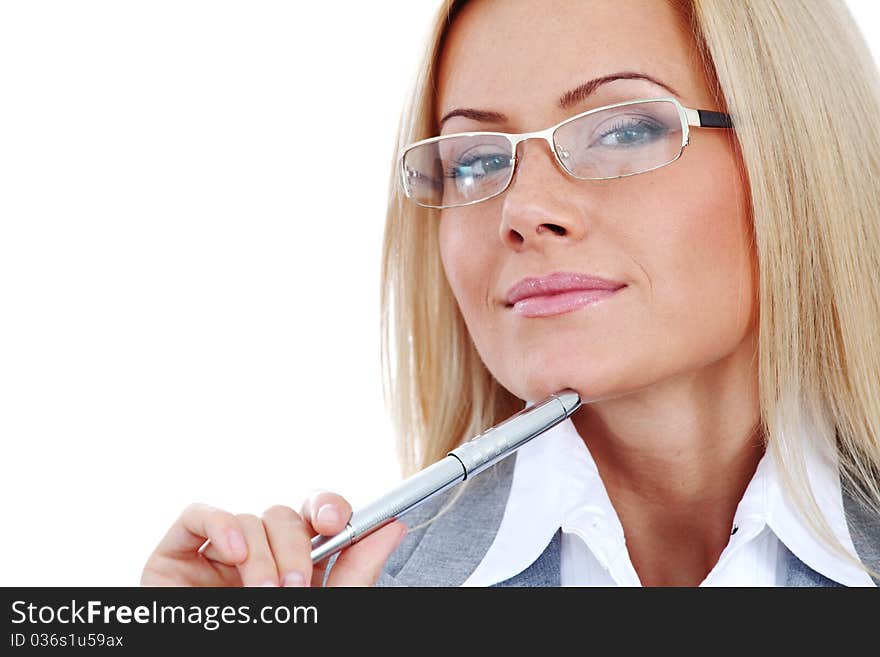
(566, 100)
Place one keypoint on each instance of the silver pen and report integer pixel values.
(461, 463)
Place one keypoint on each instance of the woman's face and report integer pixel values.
(679, 237)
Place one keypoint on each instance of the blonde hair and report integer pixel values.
(803, 91)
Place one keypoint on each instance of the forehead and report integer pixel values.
(519, 56)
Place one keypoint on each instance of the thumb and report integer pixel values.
(362, 563)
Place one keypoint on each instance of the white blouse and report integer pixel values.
(556, 484)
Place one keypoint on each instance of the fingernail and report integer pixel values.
(268, 583)
(328, 514)
(294, 579)
(236, 543)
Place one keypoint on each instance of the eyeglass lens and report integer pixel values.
(616, 142)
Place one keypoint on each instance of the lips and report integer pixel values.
(559, 283)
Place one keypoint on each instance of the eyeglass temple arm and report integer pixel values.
(708, 119)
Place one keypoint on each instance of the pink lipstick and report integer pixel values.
(558, 293)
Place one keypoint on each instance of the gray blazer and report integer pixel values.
(448, 550)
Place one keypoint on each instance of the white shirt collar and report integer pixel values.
(556, 484)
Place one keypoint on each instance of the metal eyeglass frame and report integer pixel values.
(698, 118)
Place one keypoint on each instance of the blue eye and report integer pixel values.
(633, 133)
(478, 166)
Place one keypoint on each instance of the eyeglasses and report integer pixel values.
(614, 141)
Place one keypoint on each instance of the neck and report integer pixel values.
(676, 459)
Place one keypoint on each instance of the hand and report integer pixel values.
(269, 551)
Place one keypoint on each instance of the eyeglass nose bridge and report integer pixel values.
(547, 136)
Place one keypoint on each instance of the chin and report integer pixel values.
(536, 390)
(543, 382)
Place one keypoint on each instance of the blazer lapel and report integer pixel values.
(800, 574)
(545, 569)
(864, 530)
(448, 550)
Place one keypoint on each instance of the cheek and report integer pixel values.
(700, 260)
(467, 267)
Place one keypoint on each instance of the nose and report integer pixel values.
(539, 205)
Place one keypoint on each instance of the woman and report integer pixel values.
(701, 269)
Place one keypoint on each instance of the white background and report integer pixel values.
(189, 282)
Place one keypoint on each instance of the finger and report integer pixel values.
(327, 513)
(362, 563)
(210, 550)
(290, 542)
(199, 522)
(259, 568)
